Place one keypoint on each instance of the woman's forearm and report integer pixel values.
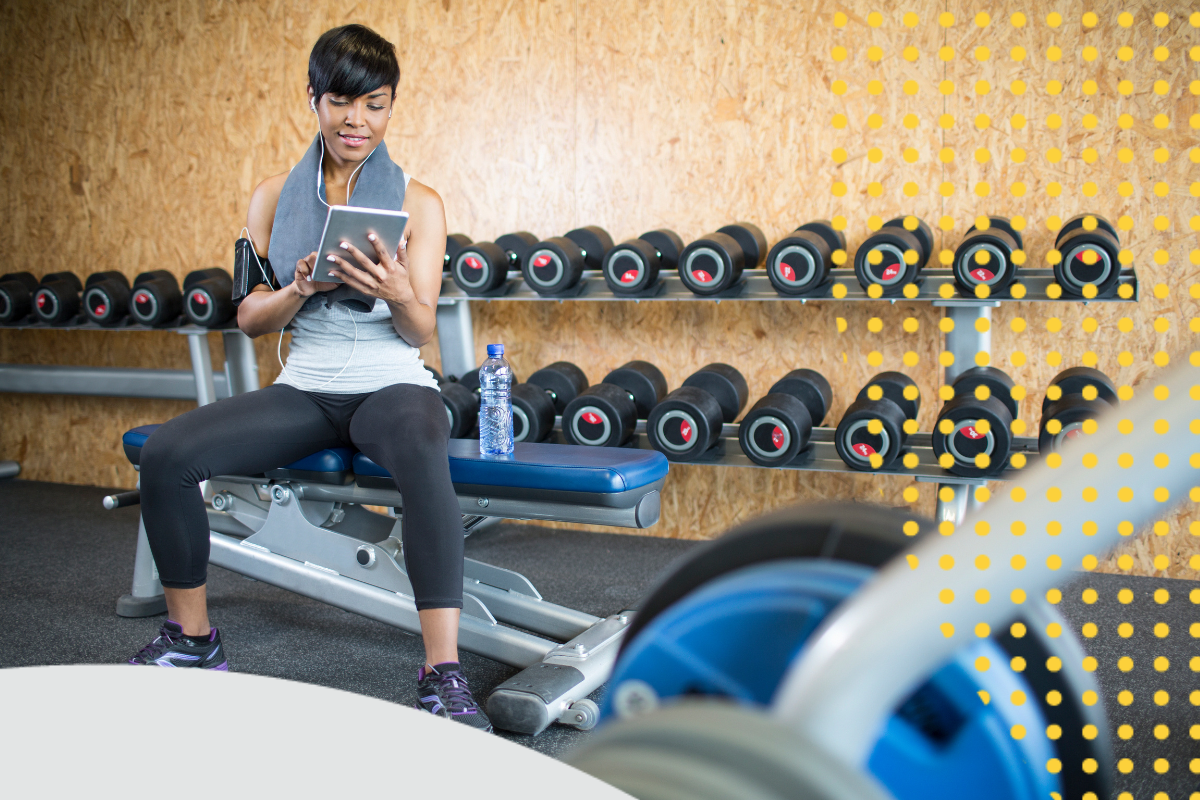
(414, 321)
(266, 311)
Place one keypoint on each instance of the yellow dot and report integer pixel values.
(1090, 19)
(910, 20)
(874, 19)
(875, 53)
(875, 87)
(1125, 664)
(1161, 19)
(1161, 698)
(1053, 53)
(840, 20)
(910, 121)
(1089, 630)
(839, 121)
(1161, 53)
(983, 630)
(946, 53)
(1162, 664)
(838, 53)
(1018, 562)
(1125, 19)
(911, 87)
(1054, 87)
(946, 596)
(947, 629)
(911, 53)
(1017, 53)
(945, 19)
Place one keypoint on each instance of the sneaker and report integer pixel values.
(173, 649)
(443, 691)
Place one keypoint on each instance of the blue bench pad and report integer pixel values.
(551, 467)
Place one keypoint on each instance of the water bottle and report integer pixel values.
(495, 404)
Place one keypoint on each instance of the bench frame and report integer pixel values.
(317, 540)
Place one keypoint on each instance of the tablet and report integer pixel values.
(352, 224)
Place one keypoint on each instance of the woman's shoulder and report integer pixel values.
(260, 218)
(418, 195)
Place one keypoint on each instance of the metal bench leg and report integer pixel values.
(146, 597)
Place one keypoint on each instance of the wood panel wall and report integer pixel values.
(134, 133)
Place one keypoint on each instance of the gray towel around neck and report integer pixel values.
(300, 216)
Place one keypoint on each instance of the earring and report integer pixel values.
(313, 105)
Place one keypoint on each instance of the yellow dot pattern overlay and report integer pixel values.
(1039, 116)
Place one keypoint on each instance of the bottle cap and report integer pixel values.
(495, 350)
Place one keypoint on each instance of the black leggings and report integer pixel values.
(402, 428)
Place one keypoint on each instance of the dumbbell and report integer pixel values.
(106, 297)
(632, 267)
(462, 408)
(800, 263)
(480, 268)
(56, 299)
(208, 297)
(985, 257)
(688, 421)
(16, 296)
(714, 262)
(535, 402)
(555, 265)
(455, 242)
(605, 414)
(1090, 256)
(157, 300)
(878, 422)
(1073, 397)
(977, 421)
(779, 426)
(884, 258)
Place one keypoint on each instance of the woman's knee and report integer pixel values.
(167, 456)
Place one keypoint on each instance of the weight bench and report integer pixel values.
(303, 527)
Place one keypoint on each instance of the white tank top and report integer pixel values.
(323, 344)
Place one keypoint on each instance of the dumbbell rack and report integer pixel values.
(201, 384)
(757, 286)
(964, 341)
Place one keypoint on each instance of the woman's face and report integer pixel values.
(353, 126)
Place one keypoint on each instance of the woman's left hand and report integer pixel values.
(387, 280)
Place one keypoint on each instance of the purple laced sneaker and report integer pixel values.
(171, 648)
(444, 692)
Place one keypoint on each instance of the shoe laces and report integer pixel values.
(454, 691)
(156, 648)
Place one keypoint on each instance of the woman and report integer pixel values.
(353, 377)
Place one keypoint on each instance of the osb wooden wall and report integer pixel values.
(134, 134)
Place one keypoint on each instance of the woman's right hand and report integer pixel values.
(304, 284)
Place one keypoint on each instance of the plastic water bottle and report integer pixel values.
(495, 404)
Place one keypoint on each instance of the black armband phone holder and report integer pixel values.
(249, 270)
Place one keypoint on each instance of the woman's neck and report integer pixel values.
(339, 178)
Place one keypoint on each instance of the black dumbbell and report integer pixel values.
(1088, 257)
(800, 263)
(632, 267)
(535, 402)
(985, 257)
(779, 426)
(16, 296)
(889, 247)
(57, 298)
(892, 399)
(208, 297)
(555, 265)
(455, 242)
(688, 421)
(605, 414)
(106, 298)
(562, 382)
(481, 268)
(157, 300)
(981, 395)
(462, 408)
(714, 263)
(1073, 397)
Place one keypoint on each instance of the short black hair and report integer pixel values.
(351, 61)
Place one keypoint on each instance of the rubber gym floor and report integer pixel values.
(65, 561)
